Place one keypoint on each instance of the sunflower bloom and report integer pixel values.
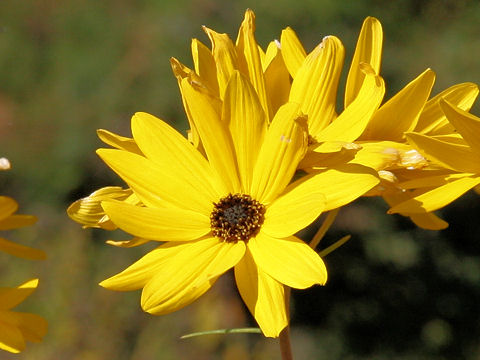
(17, 327)
(234, 208)
(212, 225)
(223, 198)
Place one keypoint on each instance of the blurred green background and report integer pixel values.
(68, 68)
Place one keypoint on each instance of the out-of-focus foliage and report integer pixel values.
(68, 68)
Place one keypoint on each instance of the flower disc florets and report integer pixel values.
(236, 217)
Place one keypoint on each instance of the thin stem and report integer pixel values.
(284, 338)
(285, 346)
(324, 228)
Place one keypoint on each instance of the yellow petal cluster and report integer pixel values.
(458, 154)
(16, 327)
(387, 139)
(257, 117)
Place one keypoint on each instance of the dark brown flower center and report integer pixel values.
(236, 217)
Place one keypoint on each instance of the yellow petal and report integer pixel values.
(21, 251)
(163, 224)
(165, 146)
(205, 65)
(128, 243)
(88, 211)
(449, 155)
(436, 198)
(184, 278)
(156, 186)
(314, 160)
(216, 138)
(432, 121)
(262, 55)
(355, 118)
(140, 272)
(118, 142)
(340, 185)
(247, 47)
(246, 119)
(428, 221)
(401, 112)
(292, 51)
(11, 297)
(32, 326)
(293, 211)
(273, 49)
(182, 72)
(7, 207)
(277, 78)
(465, 123)
(289, 261)
(11, 338)
(264, 296)
(453, 137)
(380, 155)
(431, 181)
(316, 83)
(284, 146)
(17, 221)
(225, 56)
(335, 146)
(369, 51)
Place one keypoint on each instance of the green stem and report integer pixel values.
(324, 228)
(284, 338)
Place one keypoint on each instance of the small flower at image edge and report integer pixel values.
(17, 327)
(9, 221)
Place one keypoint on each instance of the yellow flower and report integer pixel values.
(315, 78)
(385, 139)
(16, 327)
(378, 134)
(233, 208)
(458, 155)
(8, 221)
(88, 210)
(314, 86)
(227, 201)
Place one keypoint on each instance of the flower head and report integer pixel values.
(18, 327)
(234, 208)
(15, 327)
(224, 198)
